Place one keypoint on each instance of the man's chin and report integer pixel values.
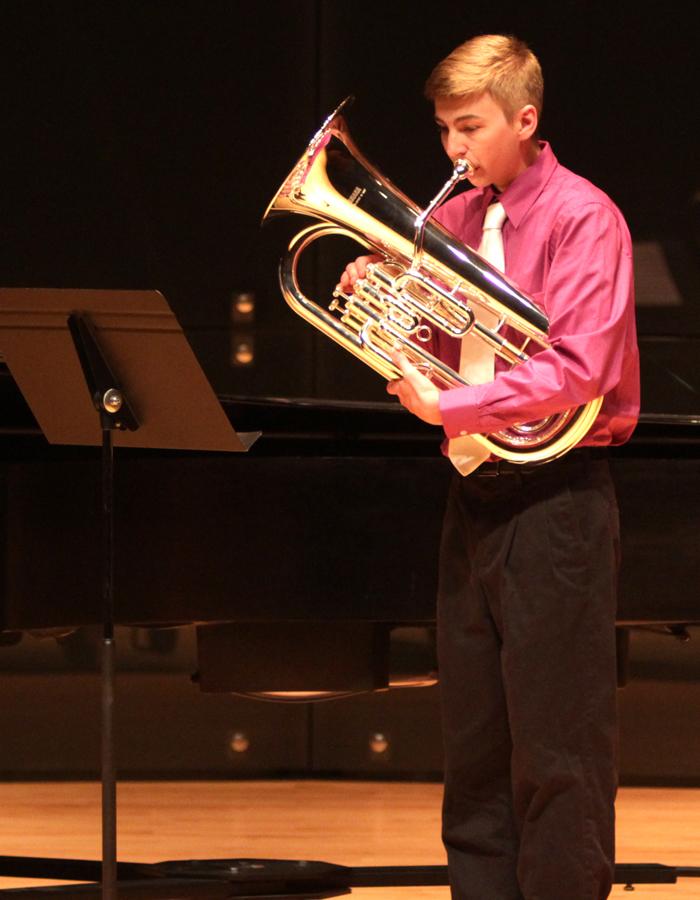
(478, 178)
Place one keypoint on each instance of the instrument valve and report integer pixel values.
(336, 303)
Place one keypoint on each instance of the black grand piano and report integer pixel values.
(328, 526)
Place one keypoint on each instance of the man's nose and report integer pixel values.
(456, 145)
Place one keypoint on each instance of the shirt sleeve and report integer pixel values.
(587, 293)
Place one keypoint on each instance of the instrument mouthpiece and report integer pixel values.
(463, 168)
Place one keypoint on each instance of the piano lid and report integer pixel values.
(670, 397)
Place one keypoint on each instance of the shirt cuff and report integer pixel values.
(460, 411)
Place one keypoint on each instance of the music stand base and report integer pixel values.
(254, 879)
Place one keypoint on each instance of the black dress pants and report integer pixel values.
(526, 643)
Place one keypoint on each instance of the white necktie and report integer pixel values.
(476, 362)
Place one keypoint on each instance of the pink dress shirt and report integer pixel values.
(566, 245)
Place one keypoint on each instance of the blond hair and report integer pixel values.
(498, 64)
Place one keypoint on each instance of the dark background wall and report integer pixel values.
(141, 142)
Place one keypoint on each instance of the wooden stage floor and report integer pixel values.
(346, 822)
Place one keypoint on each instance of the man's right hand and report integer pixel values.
(355, 270)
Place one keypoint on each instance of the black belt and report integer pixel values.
(573, 457)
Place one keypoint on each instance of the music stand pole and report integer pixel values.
(115, 413)
(109, 782)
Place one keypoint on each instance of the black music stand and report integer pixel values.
(113, 368)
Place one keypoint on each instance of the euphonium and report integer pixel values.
(425, 279)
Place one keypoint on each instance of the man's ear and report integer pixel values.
(527, 120)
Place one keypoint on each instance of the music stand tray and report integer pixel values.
(138, 333)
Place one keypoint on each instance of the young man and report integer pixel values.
(529, 556)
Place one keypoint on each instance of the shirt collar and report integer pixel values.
(521, 193)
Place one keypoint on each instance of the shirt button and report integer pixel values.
(462, 433)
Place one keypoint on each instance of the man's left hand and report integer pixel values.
(416, 392)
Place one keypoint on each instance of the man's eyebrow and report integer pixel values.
(459, 118)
